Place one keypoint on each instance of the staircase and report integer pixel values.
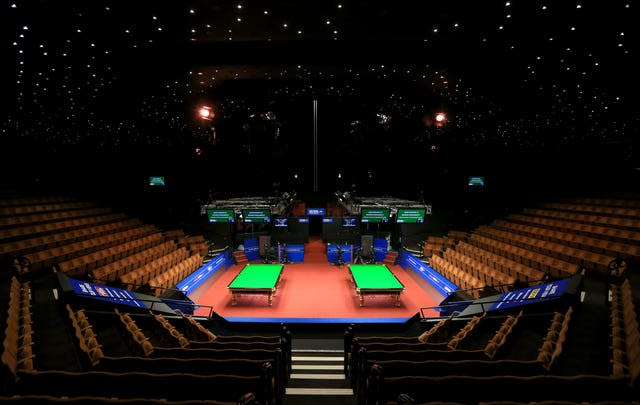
(317, 378)
(240, 257)
(390, 258)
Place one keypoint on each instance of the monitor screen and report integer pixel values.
(280, 222)
(221, 215)
(410, 215)
(156, 181)
(349, 222)
(257, 215)
(476, 181)
(374, 215)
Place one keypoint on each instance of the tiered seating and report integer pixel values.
(458, 276)
(510, 267)
(457, 236)
(151, 270)
(176, 273)
(556, 335)
(616, 222)
(17, 352)
(25, 246)
(625, 332)
(487, 274)
(472, 349)
(87, 339)
(43, 217)
(164, 349)
(594, 261)
(608, 248)
(197, 244)
(89, 254)
(555, 267)
(436, 244)
(597, 231)
(113, 270)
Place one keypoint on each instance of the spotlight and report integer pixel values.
(206, 113)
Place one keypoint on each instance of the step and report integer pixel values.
(319, 391)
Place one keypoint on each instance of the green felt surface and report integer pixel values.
(370, 276)
(257, 276)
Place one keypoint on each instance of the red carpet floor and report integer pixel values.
(317, 290)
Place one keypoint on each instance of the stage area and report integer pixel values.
(317, 292)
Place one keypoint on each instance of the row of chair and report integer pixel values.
(17, 351)
(596, 231)
(34, 200)
(593, 261)
(142, 275)
(31, 219)
(616, 222)
(458, 276)
(91, 254)
(112, 271)
(58, 226)
(596, 209)
(24, 246)
(555, 267)
(171, 331)
(605, 247)
(625, 332)
(521, 272)
(254, 348)
(482, 272)
(408, 359)
(613, 202)
(41, 208)
(86, 338)
(553, 342)
(176, 273)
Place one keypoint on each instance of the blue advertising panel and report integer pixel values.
(327, 220)
(379, 249)
(252, 249)
(203, 273)
(104, 293)
(303, 220)
(295, 253)
(439, 282)
(332, 252)
(531, 295)
(315, 211)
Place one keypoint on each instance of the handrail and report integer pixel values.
(482, 304)
(150, 306)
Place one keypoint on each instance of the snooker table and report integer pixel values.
(256, 279)
(375, 279)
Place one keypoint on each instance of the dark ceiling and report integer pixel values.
(126, 77)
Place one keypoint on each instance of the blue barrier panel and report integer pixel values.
(439, 282)
(252, 249)
(105, 293)
(295, 253)
(531, 295)
(203, 273)
(332, 252)
(379, 249)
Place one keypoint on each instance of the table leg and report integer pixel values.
(397, 300)
(234, 301)
(361, 298)
(270, 298)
